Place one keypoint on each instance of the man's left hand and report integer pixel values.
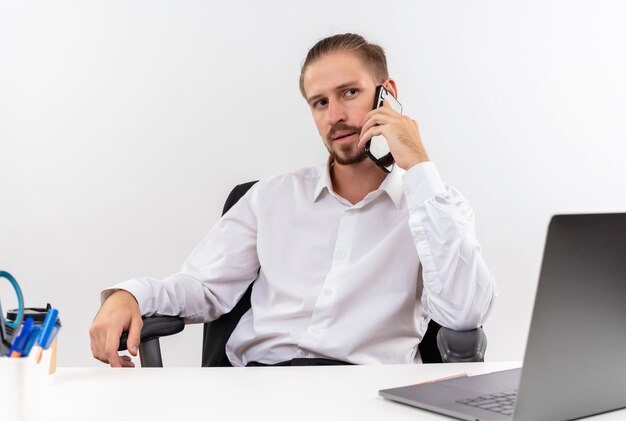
(402, 134)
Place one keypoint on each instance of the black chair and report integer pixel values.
(438, 345)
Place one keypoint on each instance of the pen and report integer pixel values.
(49, 329)
(454, 376)
(20, 341)
(32, 338)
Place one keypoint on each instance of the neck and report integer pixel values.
(354, 182)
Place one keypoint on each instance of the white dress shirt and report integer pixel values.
(357, 283)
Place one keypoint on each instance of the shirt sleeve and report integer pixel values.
(459, 291)
(214, 276)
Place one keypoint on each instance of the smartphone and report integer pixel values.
(377, 147)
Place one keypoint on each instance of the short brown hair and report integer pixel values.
(372, 55)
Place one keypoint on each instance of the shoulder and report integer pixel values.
(301, 179)
(276, 189)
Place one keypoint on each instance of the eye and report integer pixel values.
(351, 92)
(320, 103)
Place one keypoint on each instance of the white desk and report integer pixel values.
(255, 393)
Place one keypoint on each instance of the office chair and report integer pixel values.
(439, 344)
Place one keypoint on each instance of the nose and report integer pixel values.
(336, 112)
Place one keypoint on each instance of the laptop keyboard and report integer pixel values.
(502, 403)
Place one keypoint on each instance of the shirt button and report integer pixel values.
(305, 353)
(314, 331)
(327, 291)
(420, 236)
(350, 212)
(340, 255)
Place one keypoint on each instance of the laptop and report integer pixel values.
(575, 364)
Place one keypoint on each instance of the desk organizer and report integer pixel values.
(23, 387)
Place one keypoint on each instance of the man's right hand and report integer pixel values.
(119, 313)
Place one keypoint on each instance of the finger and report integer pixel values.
(92, 343)
(113, 360)
(110, 349)
(373, 131)
(97, 347)
(97, 357)
(126, 361)
(381, 116)
(373, 121)
(379, 112)
(134, 335)
(95, 353)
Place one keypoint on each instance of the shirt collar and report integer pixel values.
(392, 184)
(323, 182)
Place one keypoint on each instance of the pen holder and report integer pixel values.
(39, 314)
(23, 387)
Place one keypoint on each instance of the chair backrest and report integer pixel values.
(217, 332)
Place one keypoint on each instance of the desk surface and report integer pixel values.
(254, 393)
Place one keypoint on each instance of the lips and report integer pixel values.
(342, 135)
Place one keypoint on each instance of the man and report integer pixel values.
(349, 263)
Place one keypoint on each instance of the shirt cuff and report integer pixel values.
(140, 291)
(421, 182)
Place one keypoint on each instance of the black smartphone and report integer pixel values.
(377, 147)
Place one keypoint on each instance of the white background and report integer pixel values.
(124, 125)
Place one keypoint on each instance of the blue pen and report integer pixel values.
(49, 329)
(20, 341)
(32, 338)
(53, 335)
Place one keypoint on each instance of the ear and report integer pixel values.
(391, 86)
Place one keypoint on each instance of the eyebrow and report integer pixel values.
(337, 88)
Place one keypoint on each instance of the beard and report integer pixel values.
(347, 154)
(344, 153)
